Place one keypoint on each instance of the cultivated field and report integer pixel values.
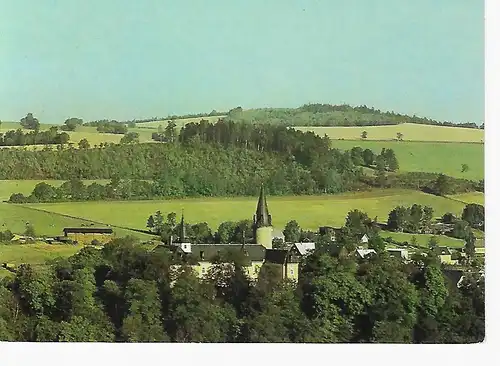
(446, 158)
(310, 211)
(14, 218)
(410, 131)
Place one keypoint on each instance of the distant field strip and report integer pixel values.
(179, 122)
(446, 158)
(410, 131)
(310, 211)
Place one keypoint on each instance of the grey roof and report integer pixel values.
(254, 252)
(87, 230)
(262, 217)
(305, 248)
(276, 256)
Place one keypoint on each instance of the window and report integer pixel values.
(202, 254)
(203, 270)
(291, 271)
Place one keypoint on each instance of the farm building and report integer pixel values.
(85, 235)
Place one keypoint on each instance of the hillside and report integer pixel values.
(410, 131)
(328, 115)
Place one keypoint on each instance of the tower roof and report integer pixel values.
(262, 216)
(182, 235)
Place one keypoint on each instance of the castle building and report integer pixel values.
(201, 256)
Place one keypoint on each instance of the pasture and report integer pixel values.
(14, 218)
(445, 158)
(309, 211)
(410, 131)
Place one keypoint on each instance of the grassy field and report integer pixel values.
(8, 187)
(410, 131)
(471, 197)
(446, 158)
(35, 254)
(14, 218)
(310, 211)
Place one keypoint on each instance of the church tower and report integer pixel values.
(262, 226)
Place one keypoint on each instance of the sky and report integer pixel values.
(125, 59)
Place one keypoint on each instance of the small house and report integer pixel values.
(445, 255)
(400, 253)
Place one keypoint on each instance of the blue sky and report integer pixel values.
(128, 59)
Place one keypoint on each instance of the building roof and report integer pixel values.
(87, 230)
(276, 256)
(254, 252)
(262, 216)
(443, 251)
(305, 248)
(365, 252)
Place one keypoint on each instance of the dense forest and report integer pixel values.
(331, 115)
(221, 159)
(125, 293)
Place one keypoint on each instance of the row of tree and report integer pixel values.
(106, 126)
(36, 137)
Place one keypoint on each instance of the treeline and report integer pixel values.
(433, 183)
(331, 115)
(132, 122)
(126, 293)
(36, 137)
(106, 126)
(227, 161)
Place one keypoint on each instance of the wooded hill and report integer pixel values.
(331, 115)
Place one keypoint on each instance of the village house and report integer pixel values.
(400, 253)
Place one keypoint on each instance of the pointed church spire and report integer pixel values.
(262, 216)
(182, 235)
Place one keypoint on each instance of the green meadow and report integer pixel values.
(34, 254)
(310, 211)
(471, 197)
(14, 218)
(445, 158)
(410, 131)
